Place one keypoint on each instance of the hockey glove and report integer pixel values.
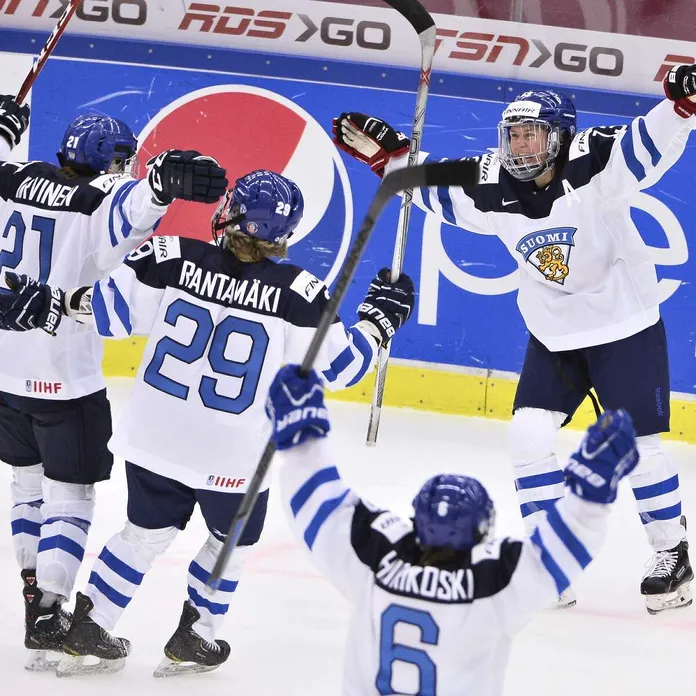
(388, 306)
(369, 140)
(296, 408)
(680, 87)
(188, 175)
(14, 119)
(607, 454)
(30, 305)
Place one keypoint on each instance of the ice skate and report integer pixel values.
(87, 641)
(45, 628)
(187, 653)
(667, 583)
(566, 600)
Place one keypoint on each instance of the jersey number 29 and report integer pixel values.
(391, 652)
(207, 334)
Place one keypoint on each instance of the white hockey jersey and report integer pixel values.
(219, 330)
(435, 630)
(66, 233)
(586, 276)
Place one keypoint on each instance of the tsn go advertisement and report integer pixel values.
(466, 312)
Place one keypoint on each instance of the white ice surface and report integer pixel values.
(287, 625)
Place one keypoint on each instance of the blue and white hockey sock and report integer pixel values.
(655, 484)
(26, 516)
(539, 485)
(121, 567)
(67, 511)
(213, 608)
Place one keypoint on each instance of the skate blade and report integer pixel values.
(77, 666)
(171, 668)
(672, 600)
(39, 662)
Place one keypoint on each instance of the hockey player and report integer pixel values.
(560, 201)
(68, 225)
(221, 320)
(437, 598)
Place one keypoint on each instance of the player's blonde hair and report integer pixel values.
(251, 250)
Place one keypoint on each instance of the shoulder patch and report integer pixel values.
(580, 145)
(307, 286)
(391, 526)
(106, 182)
(166, 248)
(489, 168)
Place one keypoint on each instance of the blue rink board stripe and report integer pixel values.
(153, 53)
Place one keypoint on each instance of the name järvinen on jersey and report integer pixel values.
(223, 288)
(36, 189)
(428, 582)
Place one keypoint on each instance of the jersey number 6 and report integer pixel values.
(213, 339)
(391, 652)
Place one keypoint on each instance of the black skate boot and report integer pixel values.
(45, 628)
(87, 639)
(666, 585)
(186, 652)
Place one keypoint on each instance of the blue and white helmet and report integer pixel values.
(263, 205)
(101, 143)
(453, 512)
(532, 130)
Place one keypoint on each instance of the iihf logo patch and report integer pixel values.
(251, 227)
(210, 481)
(27, 386)
(549, 251)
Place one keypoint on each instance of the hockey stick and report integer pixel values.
(46, 51)
(424, 25)
(453, 173)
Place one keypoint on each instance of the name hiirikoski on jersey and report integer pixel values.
(549, 251)
(427, 582)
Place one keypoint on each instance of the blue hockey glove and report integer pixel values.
(30, 305)
(14, 119)
(607, 454)
(388, 306)
(188, 175)
(296, 408)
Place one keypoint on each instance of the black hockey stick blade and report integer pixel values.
(414, 12)
(439, 174)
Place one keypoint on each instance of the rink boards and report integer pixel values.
(462, 348)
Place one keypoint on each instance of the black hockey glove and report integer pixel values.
(188, 175)
(680, 87)
(369, 140)
(30, 305)
(14, 119)
(388, 306)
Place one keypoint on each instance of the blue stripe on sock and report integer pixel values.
(655, 489)
(26, 527)
(212, 607)
(115, 597)
(121, 568)
(629, 153)
(325, 509)
(554, 570)
(64, 544)
(668, 513)
(566, 535)
(648, 142)
(78, 522)
(536, 506)
(550, 478)
(319, 478)
(202, 575)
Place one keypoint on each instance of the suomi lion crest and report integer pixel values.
(549, 251)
